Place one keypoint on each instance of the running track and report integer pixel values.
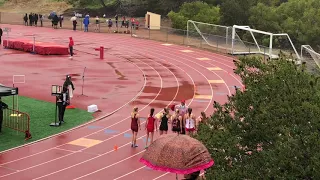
(169, 73)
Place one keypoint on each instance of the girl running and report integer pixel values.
(135, 125)
(164, 118)
(190, 121)
(150, 126)
(176, 122)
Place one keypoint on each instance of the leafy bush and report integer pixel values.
(271, 129)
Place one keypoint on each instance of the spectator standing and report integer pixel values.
(117, 18)
(71, 44)
(60, 20)
(1, 33)
(74, 22)
(41, 20)
(123, 21)
(86, 22)
(55, 21)
(109, 25)
(30, 19)
(36, 18)
(25, 18)
(97, 28)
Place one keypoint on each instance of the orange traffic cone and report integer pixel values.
(115, 148)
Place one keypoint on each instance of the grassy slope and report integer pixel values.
(36, 6)
(41, 115)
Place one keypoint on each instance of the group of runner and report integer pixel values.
(183, 121)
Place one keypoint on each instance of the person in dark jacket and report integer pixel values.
(63, 102)
(2, 107)
(74, 23)
(68, 83)
(30, 19)
(1, 33)
(60, 20)
(36, 18)
(25, 19)
(55, 21)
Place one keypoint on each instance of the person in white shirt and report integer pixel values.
(182, 111)
(190, 122)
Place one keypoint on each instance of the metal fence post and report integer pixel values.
(81, 22)
(34, 42)
(167, 34)
(183, 37)
(264, 54)
(218, 45)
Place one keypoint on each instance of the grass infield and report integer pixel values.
(41, 115)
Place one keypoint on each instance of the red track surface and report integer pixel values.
(135, 72)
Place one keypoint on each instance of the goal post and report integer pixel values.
(213, 35)
(270, 47)
(247, 28)
(310, 56)
(213, 29)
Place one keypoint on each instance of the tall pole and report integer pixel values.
(233, 37)
(270, 46)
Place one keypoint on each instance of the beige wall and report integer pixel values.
(155, 20)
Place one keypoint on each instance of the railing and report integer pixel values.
(17, 121)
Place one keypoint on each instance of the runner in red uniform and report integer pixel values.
(135, 125)
(150, 126)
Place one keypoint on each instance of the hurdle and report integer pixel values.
(19, 122)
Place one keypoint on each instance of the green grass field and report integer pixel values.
(41, 115)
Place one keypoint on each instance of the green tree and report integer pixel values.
(300, 19)
(235, 12)
(265, 18)
(270, 130)
(197, 11)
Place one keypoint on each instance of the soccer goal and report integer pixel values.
(311, 57)
(211, 35)
(258, 48)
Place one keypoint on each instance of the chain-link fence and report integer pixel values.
(210, 38)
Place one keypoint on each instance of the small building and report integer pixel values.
(153, 21)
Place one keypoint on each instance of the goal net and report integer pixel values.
(261, 42)
(311, 57)
(211, 36)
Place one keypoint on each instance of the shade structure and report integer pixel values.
(180, 154)
(8, 91)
